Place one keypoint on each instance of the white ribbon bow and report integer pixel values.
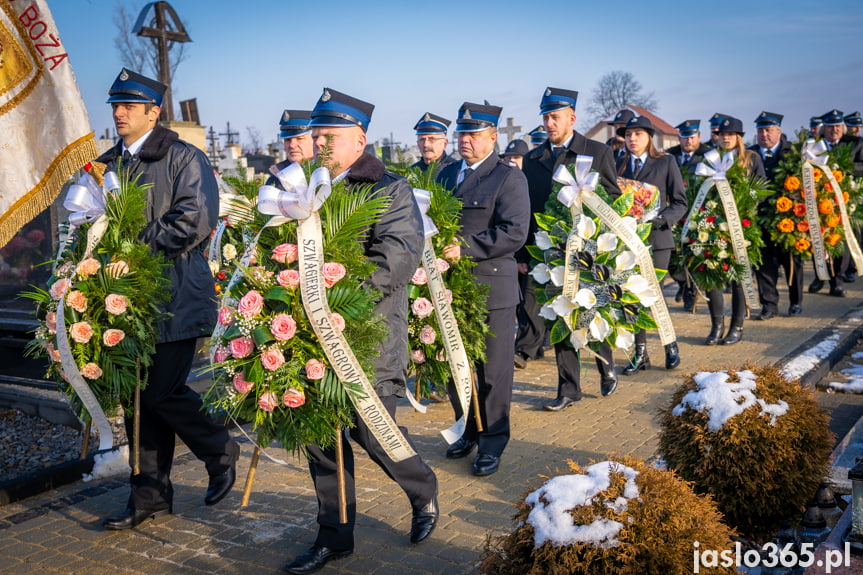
(423, 199)
(573, 187)
(815, 152)
(715, 165)
(299, 199)
(86, 199)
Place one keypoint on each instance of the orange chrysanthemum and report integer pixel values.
(825, 206)
(786, 225)
(817, 175)
(828, 187)
(833, 239)
(846, 198)
(801, 245)
(832, 220)
(784, 204)
(799, 210)
(838, 175)
(792, 183)
(803, 226)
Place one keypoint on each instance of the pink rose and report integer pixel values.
(420, 277)
(448, 295)
(241, 346)
(112, 337)
(51, 321)
(442, 265)
(241, 384)
(288, 278)
(268, 401)
(77, 301)
(117, 269)
(58, 288)
(251, 304)
(221, 354)
(81, 332)
(332, 272)
(91, 371)
(293, 397)
(418, 356)
(116, 304)
(54, 354)
(428, 335)
(285, 253)
(315, 369)
(283, 327)
(226, 315)
(272, 359)
(422, 307)
(88, 267)
(337, 321)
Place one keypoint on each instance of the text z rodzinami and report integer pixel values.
(770, 555)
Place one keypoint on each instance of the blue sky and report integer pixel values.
(250, 60)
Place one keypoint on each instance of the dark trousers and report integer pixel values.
(530, 336)
(767, 276)
(716, 304)
(494, 381)
(415, 478)
(661, 261)
(569, 368)
(170, 408)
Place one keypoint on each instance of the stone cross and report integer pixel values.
(510, 130)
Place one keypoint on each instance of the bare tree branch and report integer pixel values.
(255, 140)
(615, 90)
(140, 54)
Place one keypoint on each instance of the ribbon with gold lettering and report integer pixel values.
(456, 355)
(817, 154)
(715, 167)
(300, 201)
(580, 189)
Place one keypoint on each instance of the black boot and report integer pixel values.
(672, 356)
(638, 361)
(607, 372)
(735, 334)
(717, 326)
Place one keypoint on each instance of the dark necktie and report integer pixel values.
(463, 174)
(686, 158)
(126, 157)
(557, 150)
(637, 170)
(767, 154)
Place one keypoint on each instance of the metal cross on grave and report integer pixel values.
(229, 134)
(510, 130)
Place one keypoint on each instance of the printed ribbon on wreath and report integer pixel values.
(714, 167)
(86, 202)
(580, 189)
(227, 197)
(816, 154)
(456, 354)
(300, 201)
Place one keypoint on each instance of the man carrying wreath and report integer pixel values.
(394, 243)
(183, 207)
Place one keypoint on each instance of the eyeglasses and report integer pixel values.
(429, 139)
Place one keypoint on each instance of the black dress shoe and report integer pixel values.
(795, 309)
(461, 448)
(560, 403)
(678, 297)
(816, 286)
(838, 292)
(607, 385)
(314, 559)
(850, 277)
(766, 315)
(735, 334)
(519, 361)
(672, 355)
(485, 464)
(424, 520)
(133, 517)
(220, 485)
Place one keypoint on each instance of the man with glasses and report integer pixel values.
(432, 142)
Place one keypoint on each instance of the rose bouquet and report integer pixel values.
(269, 366)
(614, 296)
(706, 249)
(428, 360)
(111, 295)
(644, 199)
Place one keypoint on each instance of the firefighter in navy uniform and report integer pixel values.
(615, 142)
(432, 142)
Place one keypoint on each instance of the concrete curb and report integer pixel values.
(37, 482)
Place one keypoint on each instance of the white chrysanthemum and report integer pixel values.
(556, 274)
(599, 328)
(696, 249)
(579, 338)
(586, 228)
(543, 242)
(723, 226)
(563, 306)
(711, 205)
(722, 255)
(625, 338)
(548, 312)
(585, 298)
(703, 237)
(540, 273)
(214, 266)
(625, 261)
(229, 252)
(606, 242)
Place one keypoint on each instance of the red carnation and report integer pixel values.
(746, 223)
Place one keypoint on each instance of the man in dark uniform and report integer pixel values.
(772, 147)
(537, 137)
(815, 127)
(715, 120)
(853, 124)
(564, 145)
(182, 210)
(432, 142)
(394, 243)
(295, 131)
(494, 222)
(514, 152)
(615, 142)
